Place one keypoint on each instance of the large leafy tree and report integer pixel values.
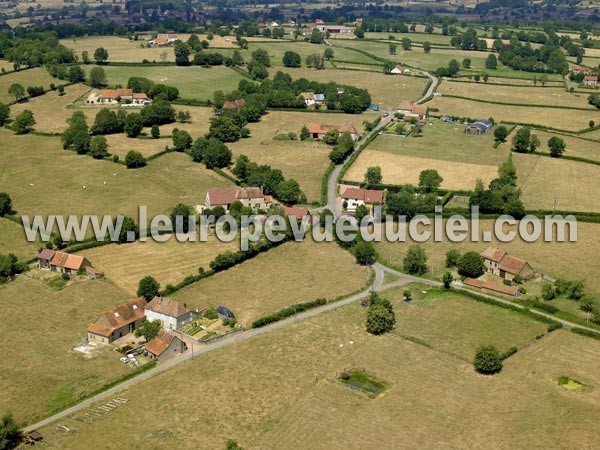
(471, 265)
(100, 55)
(148, 288)
(10, 433)
(415, 261)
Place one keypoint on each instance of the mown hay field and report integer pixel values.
(581, 148)
(83, 185)
(386, 90)
(570, 260)
(304, 161)
(564, 119)
(27, 77)
(168, 262)
(553, 183)
(193, 82)
(512, 94)
(39, 370)
(292, 273)
(287, 395)
(119, 49)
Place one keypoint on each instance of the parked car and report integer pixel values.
(124, 360)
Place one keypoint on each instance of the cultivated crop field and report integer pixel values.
(168, 262)
(39, 369)
(193, 82)
(573, 187)
(570, 260)
(305, 161)
(510, 94)
(564, 119)
(51, 111)
(386, 90)
(110, 188)
(291, 273)
(26, 77)
(297, 402)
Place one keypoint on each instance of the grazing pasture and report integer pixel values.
(12, 240)
(168, 262)
(581, 148)
(293, 374)
(459, 158)
(554, 183)
(120, 145)
(51, 110)
(564, 119)
(570, 260)
(39, 370)
(386, 90)
(291, 273)
(193, 82)
(110, 188)
(305, 161)
(119, 49)
(511, 94)
(26, 77)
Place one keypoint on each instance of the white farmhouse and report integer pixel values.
(173, 315)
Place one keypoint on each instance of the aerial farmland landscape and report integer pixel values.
(317, 224)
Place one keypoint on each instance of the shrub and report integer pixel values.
(287, 312)
(380, 319)
(211, 313)
(452, 257)
(488, 360)
(134, 160)
(415, 261)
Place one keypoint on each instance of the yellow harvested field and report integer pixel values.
(120, 144)
(51, 110)
(287, 395)
(119, 49)
(198, 125)
(564, 119)
(39, 370)
(570, 260)
(386, 90)
(294, 272)
(551, 183)
(513, 94)
(400, 169)
(575, 146)
(304, 161)
(168, 262)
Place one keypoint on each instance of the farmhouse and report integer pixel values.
(398, 70)
(163, 346)
(116, 96)
(493, 288)
(235, 104)
(411, 110)
(311, 98)
(318, 130)
(163, 39)
(478, 128)
(354, 197)
(301, 214)
(171, 314)
(117, 322)
(335, 29)
(65, 263)
(575, 69)
(501, 264)
(250, 196)
(590, 80)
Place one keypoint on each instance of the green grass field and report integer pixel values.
(581, 148)
(458, 157)
(193, 82)
(30, 77)
(386, 90)
(110, 188)
(12, 240)
(287, 394)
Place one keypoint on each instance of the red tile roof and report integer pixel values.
(590, 78)
(491, 286)
(160, 343)
(166, 307)
(140, 95)
(320, 128)
(115, 93)
(234, 104)
(367, 195)
(67, 261)
(46, 254)
(298, 213)
(226, 196)
(493, 254)
(512, 265)
(119, 317)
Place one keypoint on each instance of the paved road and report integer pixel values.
(434, 82)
